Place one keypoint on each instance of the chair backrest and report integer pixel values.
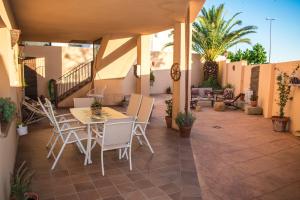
(134, 104)
(33, 107)
(97, 91)
(203, 92)
(83, 102)
(145, 110)
(53, 120)
(45, 109)
(228, 93)
(117, 132)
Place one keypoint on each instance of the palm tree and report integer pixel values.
(213, 35)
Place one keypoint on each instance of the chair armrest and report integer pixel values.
(142, 122)
(63, 115)
(74, 128)
(68, 121)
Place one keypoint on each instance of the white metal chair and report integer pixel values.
(143, 120)
(32, 111)
(68, 135)
(134, 105)
(83, 102)
(97, 93)
(63, 119)
(117, 134)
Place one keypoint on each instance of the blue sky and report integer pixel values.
(285, 30)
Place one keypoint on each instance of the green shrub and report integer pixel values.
(183, 119)
(211, 83)
(97, 104)
(7, 109)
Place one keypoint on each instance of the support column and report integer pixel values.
(144, 63)
(180, 56)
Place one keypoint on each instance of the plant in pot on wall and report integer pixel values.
(152, 78)
(280, 123)
(168, 117)
(168, 90)
(185, 122)
(22, 128)
(253, 100)
(7, 110)
(96, 107)
(20, 184)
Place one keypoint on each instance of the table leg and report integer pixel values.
(88, 159)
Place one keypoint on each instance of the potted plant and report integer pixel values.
(152, 78)
(185, 122)
(168, 90)
(7, 110)
(22, 129)
(280, 123)
(168, 117)
(253, 100)
(20, 184)
(96, 107)
(124, 102)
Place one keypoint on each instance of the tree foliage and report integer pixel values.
(256, 55)
(213, 34)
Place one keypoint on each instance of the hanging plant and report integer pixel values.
(7, 109)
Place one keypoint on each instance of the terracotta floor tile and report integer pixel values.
(89, 195)
(84, 186)
(153, 192)
(107, 192)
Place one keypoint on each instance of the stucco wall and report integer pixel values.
(235, 75)
(292, 108)
(9, 81)
(52, 62)
(162, 63)
(267, 90)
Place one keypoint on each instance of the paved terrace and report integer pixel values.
(235, 156)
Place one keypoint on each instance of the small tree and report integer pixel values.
(257, 55)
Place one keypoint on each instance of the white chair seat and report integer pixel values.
(111, 147)
(81, 134)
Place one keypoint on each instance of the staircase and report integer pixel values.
(73, 80)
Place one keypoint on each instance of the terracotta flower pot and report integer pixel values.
(96, 110)
(253, 103)
(32, 196)
(168, 121)
(280, 124)
(185, 131)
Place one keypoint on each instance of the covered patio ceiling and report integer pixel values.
(77, 20)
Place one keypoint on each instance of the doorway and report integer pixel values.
(254, 80)
(30, 77)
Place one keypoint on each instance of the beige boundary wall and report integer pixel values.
(240, 75)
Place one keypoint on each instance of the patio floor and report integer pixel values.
(168, 174)
(236, 157)
(239, 157)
